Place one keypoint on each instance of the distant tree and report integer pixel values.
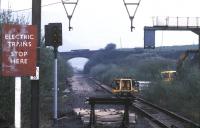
(110, 46)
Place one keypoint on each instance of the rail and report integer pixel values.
(160, 116)
(178, 117)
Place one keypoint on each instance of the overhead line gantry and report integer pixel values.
(173, 24)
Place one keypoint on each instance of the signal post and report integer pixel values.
(53, 37)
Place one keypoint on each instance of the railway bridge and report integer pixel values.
(86, 53)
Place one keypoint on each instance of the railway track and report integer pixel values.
(159, 116)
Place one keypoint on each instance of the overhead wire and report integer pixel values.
(41, 6)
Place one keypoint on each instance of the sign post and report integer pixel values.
(17, 102)
(18, 58)
(35, 89)
(55, 85)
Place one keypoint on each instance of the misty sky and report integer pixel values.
(99, 22)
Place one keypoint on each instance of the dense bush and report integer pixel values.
(7, 99)
(149, 69)
(108, 65)
(106, 73)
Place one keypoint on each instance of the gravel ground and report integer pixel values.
(80, 88)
